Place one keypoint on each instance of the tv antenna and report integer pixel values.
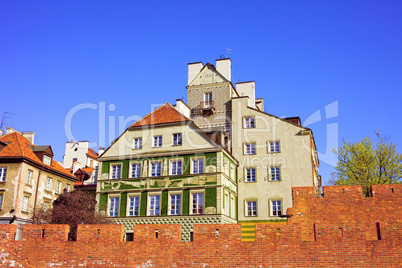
(3, 121)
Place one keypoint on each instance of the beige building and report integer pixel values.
(29, 177)
(274, 154)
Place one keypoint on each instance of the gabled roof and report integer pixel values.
(163, 115)
(43, 148)
(18, 146)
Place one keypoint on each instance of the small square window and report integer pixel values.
(177, 139)
(276, 208)
(274, 147)
(47, 160)
(48, 184)
(3, 172)
(135, 170)
(29, 177)
(275, 173)
(175, 167)
(156, 169)
(198, 165)
(116, 171)
(114, 206)
(251, 208)
(157, 141)
(137, 144)
(250, 174)
(249, 122)
(154, 203)
(175, 204)
(250, 148)
(134, 205)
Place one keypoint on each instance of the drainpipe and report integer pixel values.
(36, 192)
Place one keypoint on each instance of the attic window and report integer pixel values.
(47, 160)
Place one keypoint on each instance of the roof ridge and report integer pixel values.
(19, 143)
(166, 113)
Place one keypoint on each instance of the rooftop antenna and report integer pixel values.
(227, 52)
(3, 121)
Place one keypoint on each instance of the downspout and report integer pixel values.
(36, 191)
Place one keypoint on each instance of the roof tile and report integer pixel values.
(164, 114)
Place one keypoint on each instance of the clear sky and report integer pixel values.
(336, 64)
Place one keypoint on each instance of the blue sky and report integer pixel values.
(342, 59)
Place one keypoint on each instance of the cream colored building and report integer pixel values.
(274, 154)
(29, 177)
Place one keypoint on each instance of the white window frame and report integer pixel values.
(232, 207)
(58, 187)
(208, 96)
(174, 168)
(227, 204)
(192, 195)
(177, 139)
(196, 169)
(157, 141)
(274, 147)
(273, 204)
(116, 207)
(248, 212)
(226, 167)
(1, 200)
(252, 178)
(249, 122)
(276, 175)
(113, 174)
(170, 205)
(130, 209)
(48, 184)
(25, 203)
(3, 174)
(29, 177)
(67, 187)
(153, 208)
(47, 160)
(132, 175)
(232, 172)
(151, 169)
(137, 143)
(249, 148)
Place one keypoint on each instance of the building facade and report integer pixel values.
(164, 169)
(29, 177)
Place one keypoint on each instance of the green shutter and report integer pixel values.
(102, 202)
(105, 167)
(143, 206)
(210, 197)
(123, 204)
(186, 201)
(164, 203)
(125, 167)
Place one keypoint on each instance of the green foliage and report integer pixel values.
(362, 163)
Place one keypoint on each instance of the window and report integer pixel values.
(3, 171)
(29, 177)
(154, 205)
(250, 174)
(135, 170)
(133, 205)
(198, 166)
(232, 208)
(276, 208)
(249, 122)
(177, 139)
(116, 171)
(68, 187)
(226, 167)
(156, 169)
(137, 143)
(251, 208)
(157, 141)
(250, 148)
(175, 204)
(274, 147)
(74, 160)
(91, 163)
(47, 160)
(275, 174)
(25, 204)
(175, 167)
(48, 184)
(1, 200)
(114, 206)
(198, 203)
(232, 172)
(227, 205)
(58, 187)
(46, 205)
(208, 96)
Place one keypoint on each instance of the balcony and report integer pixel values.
(207, 107)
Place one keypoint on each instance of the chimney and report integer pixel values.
(182, 107)
(247, 89)
(10, 130)
(101, 150)
(223, 66)
(193, 70)
(1, 132)
(29, 136)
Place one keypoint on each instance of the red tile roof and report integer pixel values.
(92, 153)
(164, 114)
(19, 146)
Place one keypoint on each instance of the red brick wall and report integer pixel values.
(343, 229)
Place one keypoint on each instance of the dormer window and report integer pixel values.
(47, 160)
